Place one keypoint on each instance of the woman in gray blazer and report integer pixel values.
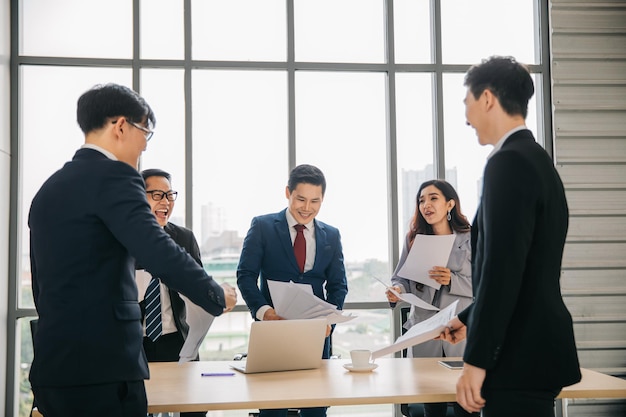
(437, 212)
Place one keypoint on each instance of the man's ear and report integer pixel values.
(287, 193)
(119, 127)
(490, 99)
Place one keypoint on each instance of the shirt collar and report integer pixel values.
(291, 221)
(99, 149)
(504, 138)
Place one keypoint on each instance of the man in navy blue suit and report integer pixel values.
(268, 254)
(520, 347)
(90, 223)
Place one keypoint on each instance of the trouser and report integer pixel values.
(121, 399)
(441, 410)
(519, 403)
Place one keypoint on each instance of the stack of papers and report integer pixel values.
(427, 251)
(297, 301)
(420, 332)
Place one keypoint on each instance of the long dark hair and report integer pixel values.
(458, 221)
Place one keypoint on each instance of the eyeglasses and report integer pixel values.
(148, 132)
(157, 195)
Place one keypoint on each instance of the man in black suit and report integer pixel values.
(520, 347)
(167, 346)
(90, 223)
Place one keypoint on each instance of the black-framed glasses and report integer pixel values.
(157, 195)
(148, 132)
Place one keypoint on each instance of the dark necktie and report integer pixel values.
(154, 327)
(299, 247)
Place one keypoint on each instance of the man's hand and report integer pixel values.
(454, 332)
(468, 388)
(270, 314)
(230, 296)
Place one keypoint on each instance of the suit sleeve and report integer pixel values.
(33, 273)
(336, 281)
(397, 280)
(123, 207)
(508, 215)
(249, 268)
(461, 280)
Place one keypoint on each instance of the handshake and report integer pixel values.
(230, 296)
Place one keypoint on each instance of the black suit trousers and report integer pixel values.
(519, 403)
(122, 399)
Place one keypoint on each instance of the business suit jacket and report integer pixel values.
(186, 240)
(459, 289)
(518, 327)
(88, 223)
(268, 253)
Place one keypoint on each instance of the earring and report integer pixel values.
(449, 216)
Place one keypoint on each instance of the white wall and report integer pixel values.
(5, 163)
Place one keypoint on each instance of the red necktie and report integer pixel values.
(299, 247)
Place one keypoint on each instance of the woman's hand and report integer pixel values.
(440, 274)
(391, 297)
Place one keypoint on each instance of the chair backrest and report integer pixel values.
(404, 315)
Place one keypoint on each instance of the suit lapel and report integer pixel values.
(284, 237)
(320, 242)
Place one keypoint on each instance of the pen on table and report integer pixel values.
(217, 374)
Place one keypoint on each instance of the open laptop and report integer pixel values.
(284, 345)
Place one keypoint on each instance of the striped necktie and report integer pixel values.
(154, 327)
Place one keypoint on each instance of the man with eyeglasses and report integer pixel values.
(167, 346)
(90, 224)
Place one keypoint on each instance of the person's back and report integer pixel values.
(78, 257)
(520, 348)
(540, 351)
(89, 222)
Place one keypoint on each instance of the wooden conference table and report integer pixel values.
(175, 387)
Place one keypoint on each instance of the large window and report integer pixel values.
(368, 90)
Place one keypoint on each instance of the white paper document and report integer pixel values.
(199, 320)
(420, 332)
(427, 251)
(199, 323)
(409, 298)
(297, 301)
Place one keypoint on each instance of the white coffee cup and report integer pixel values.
(360, 358)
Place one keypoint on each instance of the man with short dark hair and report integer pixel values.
(89, 224)
(520, 347)
(173, 313)
(268, 253)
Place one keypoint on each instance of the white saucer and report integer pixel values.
(367, 368)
